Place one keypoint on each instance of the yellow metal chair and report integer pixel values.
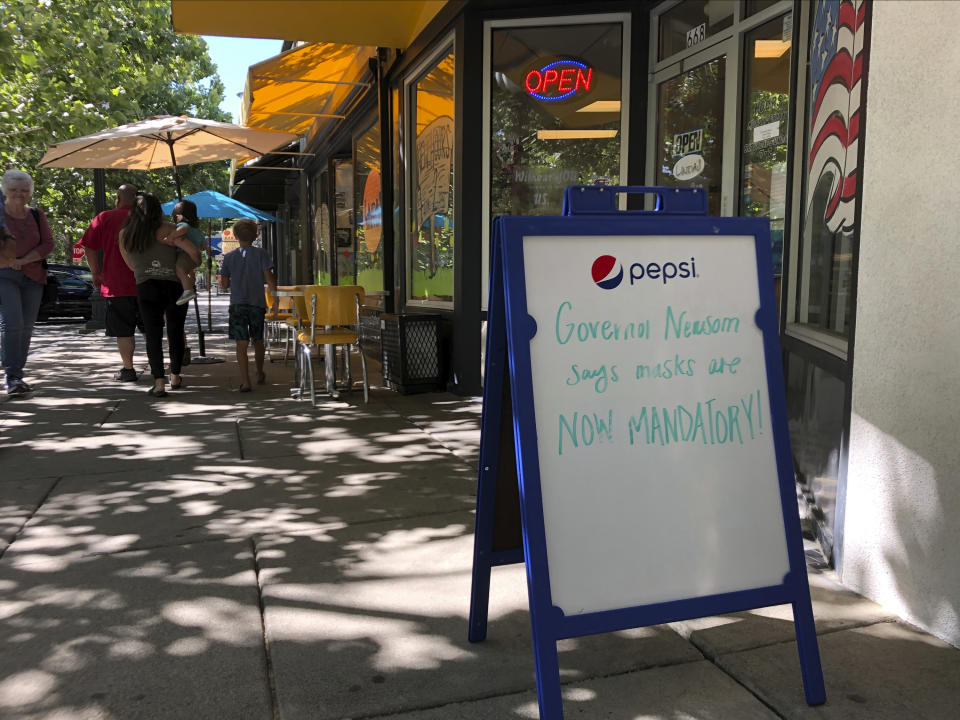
(297, 321)
(278, 322)
(284, 309)
(273, 323)
(334, 315)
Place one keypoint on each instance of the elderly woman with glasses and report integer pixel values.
(22, 275)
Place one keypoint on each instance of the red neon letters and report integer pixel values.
(556, 83)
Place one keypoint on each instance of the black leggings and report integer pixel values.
(158, 298)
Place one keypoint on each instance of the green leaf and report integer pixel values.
(106, 74)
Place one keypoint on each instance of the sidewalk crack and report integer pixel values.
(271, 678)
(110, 412)
(715, 659)
(30, 517)
(236, 428)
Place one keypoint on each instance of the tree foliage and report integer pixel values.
(73, 67)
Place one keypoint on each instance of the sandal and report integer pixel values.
(261, 378)
(176, 386)
(244, 389)
(157, 393)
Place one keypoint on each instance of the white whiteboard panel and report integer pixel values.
(658, 476)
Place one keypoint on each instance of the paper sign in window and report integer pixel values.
(765, 132)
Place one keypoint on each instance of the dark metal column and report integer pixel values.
(468, 158)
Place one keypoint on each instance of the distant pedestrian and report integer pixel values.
(148, 245)
(185, 216)
(244, 272)
(115, 280)
(22, 275)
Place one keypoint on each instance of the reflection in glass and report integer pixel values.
(815, 412)
(833, 121)
(691, 22)
(540, 145)
(345, 245)
(368, 201)
(321, 229)
(690, 130)
(430, 245)
(755, 6)
(764, 141)
(399, 154)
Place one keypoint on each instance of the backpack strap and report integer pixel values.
(36, 219)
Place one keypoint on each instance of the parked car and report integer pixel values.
(81, 271)
(72, 298)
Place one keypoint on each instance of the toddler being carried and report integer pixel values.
(185, 216)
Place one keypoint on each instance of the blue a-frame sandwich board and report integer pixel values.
(510, 520)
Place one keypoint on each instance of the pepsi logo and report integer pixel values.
(607, 272)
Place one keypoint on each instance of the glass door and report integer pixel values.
(693, 142)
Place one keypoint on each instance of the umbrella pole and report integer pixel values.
(209, 276)
(196, 306)
(176, 172)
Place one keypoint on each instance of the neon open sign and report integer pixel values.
(559, 80)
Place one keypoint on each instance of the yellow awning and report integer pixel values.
(377, 23)
(303, 89)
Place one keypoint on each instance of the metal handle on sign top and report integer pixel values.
(602, 200)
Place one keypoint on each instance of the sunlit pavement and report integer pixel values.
(224, 555)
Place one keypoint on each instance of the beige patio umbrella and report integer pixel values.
(164, 141)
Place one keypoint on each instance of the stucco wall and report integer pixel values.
(902, 529)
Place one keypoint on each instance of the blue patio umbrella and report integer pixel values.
(211, 204)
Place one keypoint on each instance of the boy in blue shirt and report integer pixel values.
(244, 272)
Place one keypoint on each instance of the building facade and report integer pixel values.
(810, 114)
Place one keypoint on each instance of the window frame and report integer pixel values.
(731, 112)
(445, 46)
(624, 19)
(371, 121)
(796, 280)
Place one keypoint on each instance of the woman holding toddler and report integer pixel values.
(149, 246)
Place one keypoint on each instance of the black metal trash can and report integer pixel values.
(368, 332)
(411, 352)
(98, 312)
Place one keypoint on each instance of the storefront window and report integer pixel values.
(321, 229)
(814, 416)
(691, 23)
(367, 199)
(690, 130)
(766, 119)
(346, 251)
(399, 155)
(833, 120)
(555, 114)
(431, 221)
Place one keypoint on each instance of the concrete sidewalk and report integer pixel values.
(225, 555)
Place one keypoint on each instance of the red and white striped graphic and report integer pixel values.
(836, 66)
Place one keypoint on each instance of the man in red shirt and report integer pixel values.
(115, 279)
